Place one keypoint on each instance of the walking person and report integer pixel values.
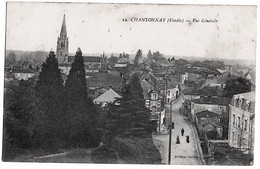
(188, 139)
(182, 132)
(172, 125)
(178, 140)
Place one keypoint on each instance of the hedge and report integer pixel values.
(136, 150)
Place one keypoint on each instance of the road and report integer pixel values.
(183, 153)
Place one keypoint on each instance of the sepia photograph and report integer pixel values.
(129, 83)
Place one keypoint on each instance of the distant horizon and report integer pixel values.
(249, 62)
(99, 27)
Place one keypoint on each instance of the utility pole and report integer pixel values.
(170, 135)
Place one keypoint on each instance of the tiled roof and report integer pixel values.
(146, 87)
(213, 100)
(201, 92)
(151, 77)
(217, 80)
(203, 123)
(207, 114)
(249, 96)
(23, 71)
(65, 64)
(86, 58)
(105, 79)
(108, 97)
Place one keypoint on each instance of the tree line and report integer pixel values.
(51, 114)
(48, 114)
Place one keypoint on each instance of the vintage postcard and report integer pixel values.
(129, 83)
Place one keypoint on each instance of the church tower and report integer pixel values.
(63, 44)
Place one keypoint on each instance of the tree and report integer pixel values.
(112, 59)
(181, 62)
(10, 59)
(236, 86)
(49, 89)
(20, 116)
(80, 110)
(132, 116)
(150, 55)
(157, 56)
(138, 57)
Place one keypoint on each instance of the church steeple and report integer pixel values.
(63, 27)
(63, 44)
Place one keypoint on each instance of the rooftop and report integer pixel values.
(203, 123)
(105, 79)
(207, 114)
(213, 100)
(248, 96)
(86, 58)
(150, 76)
(108, 97)
(146, 87)
(26, 70)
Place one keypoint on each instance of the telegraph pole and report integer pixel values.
(170, 135)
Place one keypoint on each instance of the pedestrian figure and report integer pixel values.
(187, 139)
(178, 140)
(172, 125)
(182, 132)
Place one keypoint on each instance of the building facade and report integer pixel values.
(218, 105)
(241, 121)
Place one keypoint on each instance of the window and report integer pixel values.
(247, 105)
(169, 92)
(233, 136)
(154, 96)
(238, 125)
(237, 102)
(238, 138)
(245, 124)
(241, 102)
(234, 119)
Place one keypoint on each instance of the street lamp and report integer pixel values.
(170, 135)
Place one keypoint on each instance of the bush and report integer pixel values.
(136, 150)
(104, 154)
(204, 148)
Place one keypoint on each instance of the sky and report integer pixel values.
(99, 27)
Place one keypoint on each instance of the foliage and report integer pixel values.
(80, 110)
(157, 56)
(136, 150)
(112, 59)
(49, 91)
(124, 55)
(104, 154)
(132, 117)
(181, 62)
(10, 59)
(236, 86)
(138, 56)
(21, 119)
(149, 54)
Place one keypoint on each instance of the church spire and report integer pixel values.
(63, 43)
(63, 27)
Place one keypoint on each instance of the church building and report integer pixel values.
(63, 44)
(92, 63)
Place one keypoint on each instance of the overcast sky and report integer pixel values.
(98, 27)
